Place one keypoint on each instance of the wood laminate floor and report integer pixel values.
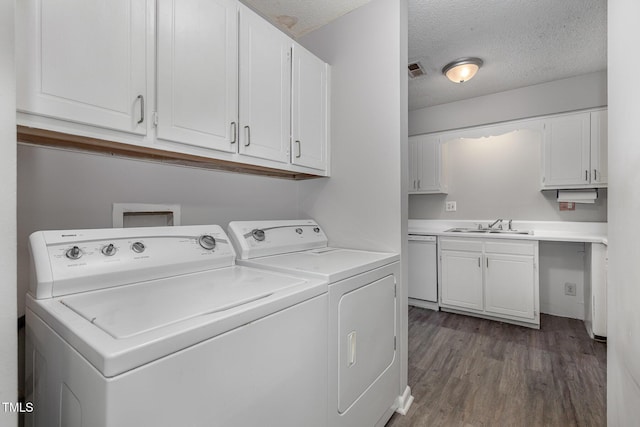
(465, 371)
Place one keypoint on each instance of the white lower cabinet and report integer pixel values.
(462, 279)
(509, 285)
(492, 278)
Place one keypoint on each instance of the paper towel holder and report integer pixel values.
(577, 191)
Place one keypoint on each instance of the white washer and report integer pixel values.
(364, 376)
(159, 327)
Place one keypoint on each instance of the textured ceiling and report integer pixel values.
(298, 17)
(522, 43)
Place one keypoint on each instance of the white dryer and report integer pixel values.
(364, 376)
(159, 327)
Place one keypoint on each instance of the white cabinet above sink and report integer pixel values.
(575, 151)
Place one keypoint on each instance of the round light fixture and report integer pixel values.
(463, 69)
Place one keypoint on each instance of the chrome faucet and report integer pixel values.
(495, 222)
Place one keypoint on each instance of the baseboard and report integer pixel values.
(424, 304)
(404, 401)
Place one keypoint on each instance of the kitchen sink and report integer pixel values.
(487, 231)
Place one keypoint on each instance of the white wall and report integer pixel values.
(560, 263)
(60, 189)
(360, 205)
(574, 93)
(623, 358)
(8, 317)
(364, 203)
(499, 177)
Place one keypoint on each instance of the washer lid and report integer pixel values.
(329, 263)
(119, 329)
(127, 311)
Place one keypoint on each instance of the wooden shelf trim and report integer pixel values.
(82, 143)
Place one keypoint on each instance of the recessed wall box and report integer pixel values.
(127, 215)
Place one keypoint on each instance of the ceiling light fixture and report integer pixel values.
(463, 69)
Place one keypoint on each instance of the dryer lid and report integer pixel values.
(329, 263)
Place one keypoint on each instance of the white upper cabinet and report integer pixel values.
(265, 89)
(205, 78)
(575, 147)
(309, 131)
(83, 61)
(599, 147)
(197, 75)
(427, 165)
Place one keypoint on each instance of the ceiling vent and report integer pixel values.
(416, 70)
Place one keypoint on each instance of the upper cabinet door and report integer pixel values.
(599, 147)
(567, 150)
(83, 61)
(309, 110)
(265, 89)
(413, 163)
(431, 170)
(198, 72)
(427, 165)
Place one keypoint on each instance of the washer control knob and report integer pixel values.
(258, 234)
(316, 229)
(109, 250)
(299, 230)
(74, 253)
(138, 247)
(207, 242)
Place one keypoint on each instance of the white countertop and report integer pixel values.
(559, 231)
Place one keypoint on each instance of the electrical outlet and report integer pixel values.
(450, 206)
(570, 289)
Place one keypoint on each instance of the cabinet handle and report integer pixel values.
(478, 262)
(141, 98)
(414, 184)
(299, 149)
(248, 133)
(234, 132)
(487, 262)
(595, 175)
(586, 175)
(418, 184)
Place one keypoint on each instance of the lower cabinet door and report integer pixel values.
(509, 285)
(462, 279)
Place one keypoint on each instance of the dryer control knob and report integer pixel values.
(109, 250)
(138, 247)
(207, 242)
(258, 234)
(74, 253)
